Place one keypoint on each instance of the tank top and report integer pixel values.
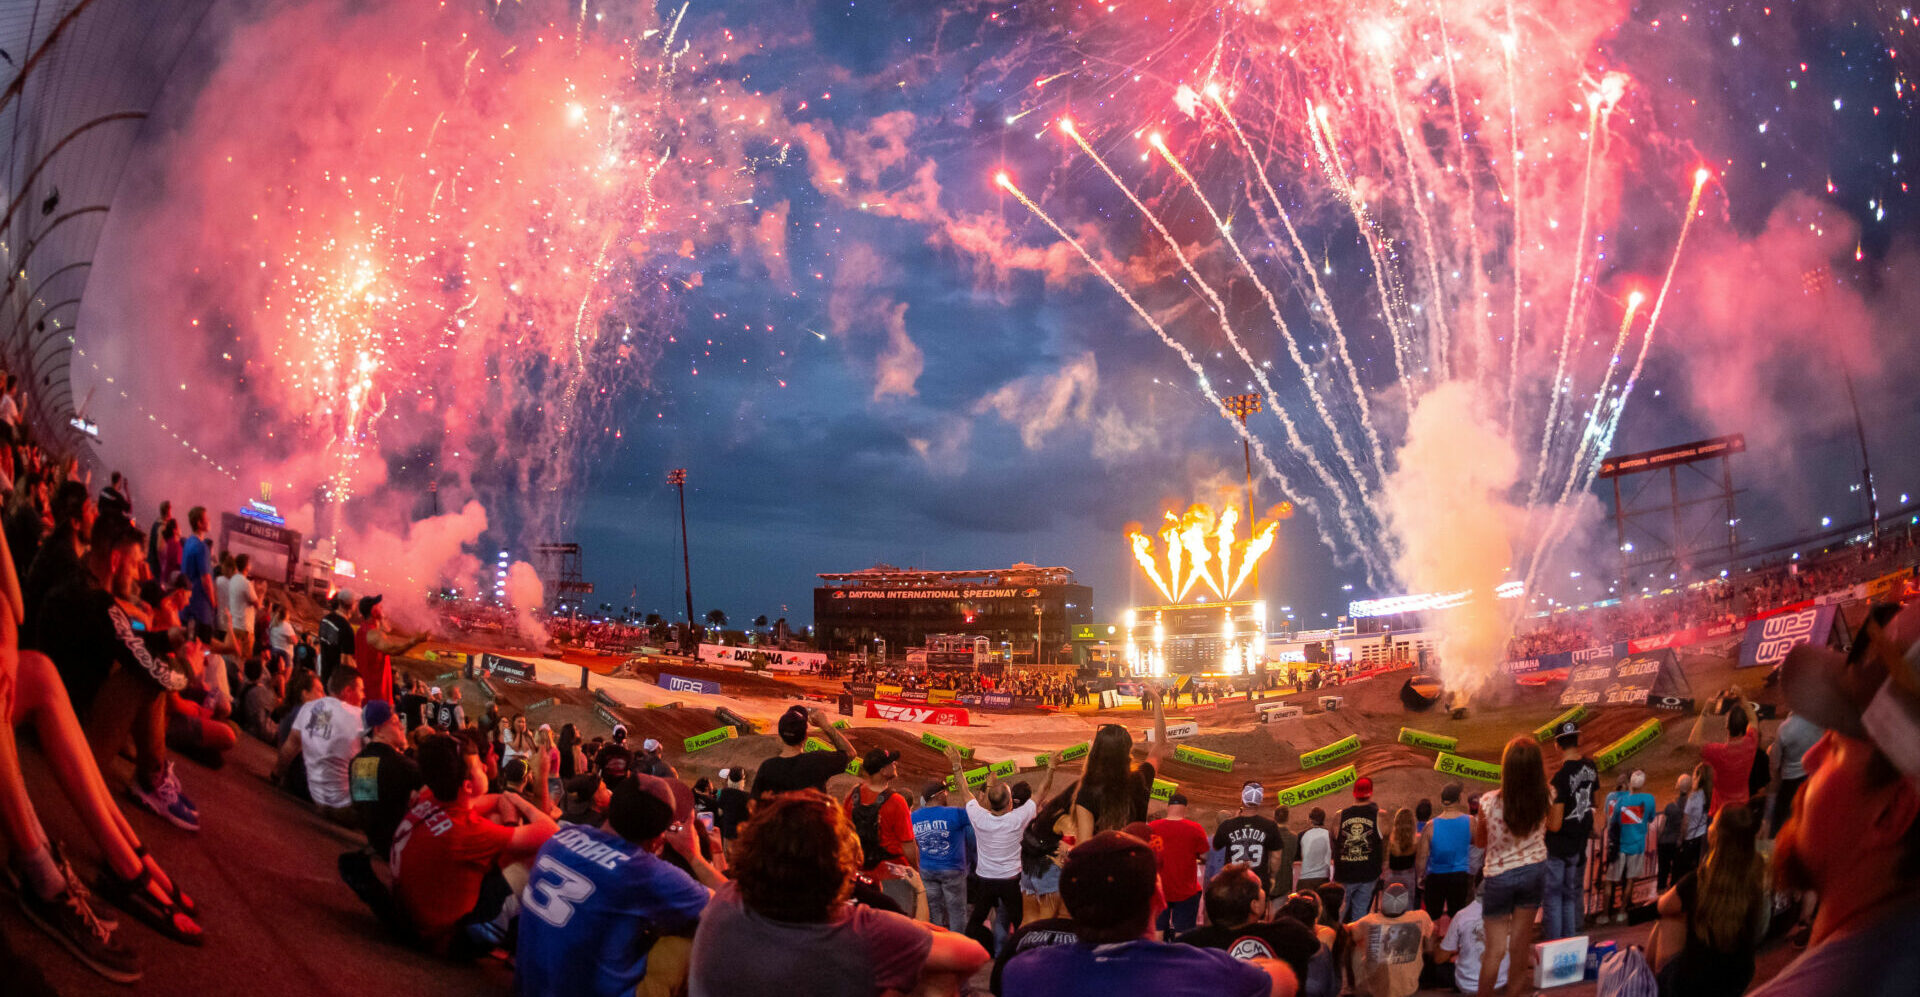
(1400, 863)
(1447, 851)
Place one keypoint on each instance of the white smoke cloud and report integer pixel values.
(527, 594)
(1042, 403)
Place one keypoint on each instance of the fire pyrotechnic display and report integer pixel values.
(1200, 547)
(1442, 397)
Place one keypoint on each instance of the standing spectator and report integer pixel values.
(280, 634)
(1403, 847)
(941, 832)
(883, 821)
(375, 643)
(998, 827)
(336, 636)
(114, 500)
(1693, 838)
(607, 911)
(449, 855)
(1666, 832)
(785, 917)
(1855, 835)
(1357, 852)
(1711, 921)
(1181, 842)
(1389, 944)
(1463, 945)
(1731, 760)
(1108, 885)
(1444, 845)
(242, 602)
(730, 806)
(1627, 820)
(381, 779)
(171, 551)
(324, 739)
(1316, 851)
(1574, 786)
(61, 553)
(196, 563)
(9, 403)
(1112, 792)
(1250, 837)
(1512, 827)
(223, 595)
(155, 546)
(1289, 853)
(795, 767)
(1237, 924)
(1796, 736)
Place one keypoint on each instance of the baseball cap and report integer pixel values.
(1637, 779)
(639, 811)
(1875, 698)
(1252, 794)
(368, 602)
(435, 691)
(793, 725)
(1363, 788)
(932, 790)
(1567, 730)
(650, 745)
(1177, 800)
(1108, 879)
(614, 762)
(619, 733)
(1395, 900)
(375, 713)
(877, 759)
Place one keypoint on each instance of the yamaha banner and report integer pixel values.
(1768, 641)
(681, 683)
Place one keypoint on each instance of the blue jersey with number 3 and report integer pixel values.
(593, 906)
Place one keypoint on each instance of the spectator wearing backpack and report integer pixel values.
(883, 821)
(998, 827)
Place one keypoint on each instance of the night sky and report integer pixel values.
(907, 368)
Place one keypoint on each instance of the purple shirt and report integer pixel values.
(1141, 967)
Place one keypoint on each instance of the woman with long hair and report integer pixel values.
(1043, 851)
(1693, 837)
(572, 760)
(1403, 845)
(516, 741)
(1512, 827)
(1712, 920)
(1112, 792)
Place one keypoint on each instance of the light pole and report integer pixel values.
(1039, 632)
(678, 478)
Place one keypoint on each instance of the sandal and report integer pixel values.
(135, 896)
(180, 898)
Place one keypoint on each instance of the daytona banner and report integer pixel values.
(913, 713)
(746, 657)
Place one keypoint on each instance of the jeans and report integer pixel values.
(1180, 916)
(1669, 859)
(1001, 893)
(1565, 901)
(1359, 900)
(946, 898)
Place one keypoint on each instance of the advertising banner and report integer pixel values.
(1313, 789)
(602, 714)
(506, 668)
(1452, 764)
(1544, 732)
(938, 743)
(998, 700)
(886, 691)
(911, 713)
(1767, 641)
(815, 744)
(1587, 684)
(975, 777)
(541, 705)
(745, 657)
(1422, 739)
(940, 695)
(911, 695)
(681, 683)
(1635, 739)
(1322, 755)
(600, 696)
(1215, 760)
(1639, 677)
(1164, 790)
(861, 690)
(1175, 731)
(710, 738)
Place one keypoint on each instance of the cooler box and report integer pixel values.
(1597, 954)
(1559, 962)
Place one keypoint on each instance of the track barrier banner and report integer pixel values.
(1635, 739)
(711, 738)
(1452, 764)
(1544, 732)
(940, 695)
(1313, 789)
(1215, 760)
(681, 683)
(975, 777)
(605, 716)
(946, 716)
(541, 705)
(1164, 790)
(1431, 742)
(1322, 755)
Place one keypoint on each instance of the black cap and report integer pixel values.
(614, 762)
(877, 759)
(1177, 800)
(367, 602)
(636, 812)
(793, 725)
(1108, 880)
(1568, 733)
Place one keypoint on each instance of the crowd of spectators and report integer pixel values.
(1051, 686)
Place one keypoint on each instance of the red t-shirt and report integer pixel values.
(1180, 843)
(896, 819)
(376, 669)
(441, 852)
(1732, 763)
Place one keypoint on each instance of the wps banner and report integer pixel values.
(680, 683)
(1768, 641)
(749, 657)
(912, 713)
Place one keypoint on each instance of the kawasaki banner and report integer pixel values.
(1451, 764)
(1768, 641)
(1639, 737)
(1313, 789)
(1205, 759)
(1320, 756)
(1422, 739)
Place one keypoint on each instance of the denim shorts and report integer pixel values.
(1522, 887)
(1040, 886)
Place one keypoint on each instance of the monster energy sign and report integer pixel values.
(1320, 756)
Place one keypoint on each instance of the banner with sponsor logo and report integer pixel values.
(1164, 790)
(1637, 678)
(1547, 731)
(938, 743)
(1768, 640)
(1452, 764)
(886, 691)
(541, 705)
(937, 696)
(1431, 742)
(997, 700)
(681, 683)
(1313, 789)
(1218, 761)
(1322, 755)
(1069, 753)
(1587, 684)
(911, 695)
(1635, 739)
(506, 668)
(1558, 660)
(710, 738)
(861, 690)
(773, 659)
(605, 716)
(1175, 731)
(913, 713)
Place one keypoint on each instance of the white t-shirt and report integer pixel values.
(329, 738)
(996, 838)
(1466, 938)
(281, 637)
(240, 602)
(9, 409)
(1316, 854)
(223, 602)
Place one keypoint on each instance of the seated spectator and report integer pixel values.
(381, 779)
(604, 906)
(59, 558)
(303, 686)
(1712, 920)
(1108, 885)
(1036, 934)
(1323, 973)
(795, 767)
(260, 697)
(450, 861)
(587, 793)
(1389, 945)
(785, 918)
(1237, 924)
(324, 739)
(1463, 945)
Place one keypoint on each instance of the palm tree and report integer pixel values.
(760, 621)
(716, 618)
(653, 619)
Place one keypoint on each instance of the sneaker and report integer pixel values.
(166, 800)
(70, 920)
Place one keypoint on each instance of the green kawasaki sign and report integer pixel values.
(1339, 778)
(1066, 754)
(1320, 756)
(710, 738)
(1455, 765)
(938, 743)
(1164, 790)
(1637, 738)
(1544, 732)
(1203, 758)
(1431, 742)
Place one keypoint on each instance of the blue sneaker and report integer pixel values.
(166, 800)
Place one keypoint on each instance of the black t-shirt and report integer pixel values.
(1286, 940)
(381, 782)
(806, 770)
(1356, 844)
(1574, 785)
(1701, 969)
(577, 795)
(409, 706)
(336, 639)
(1252, 839)
(1112, 815)
(730, 811)
(444, 716)
(1044, 933)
